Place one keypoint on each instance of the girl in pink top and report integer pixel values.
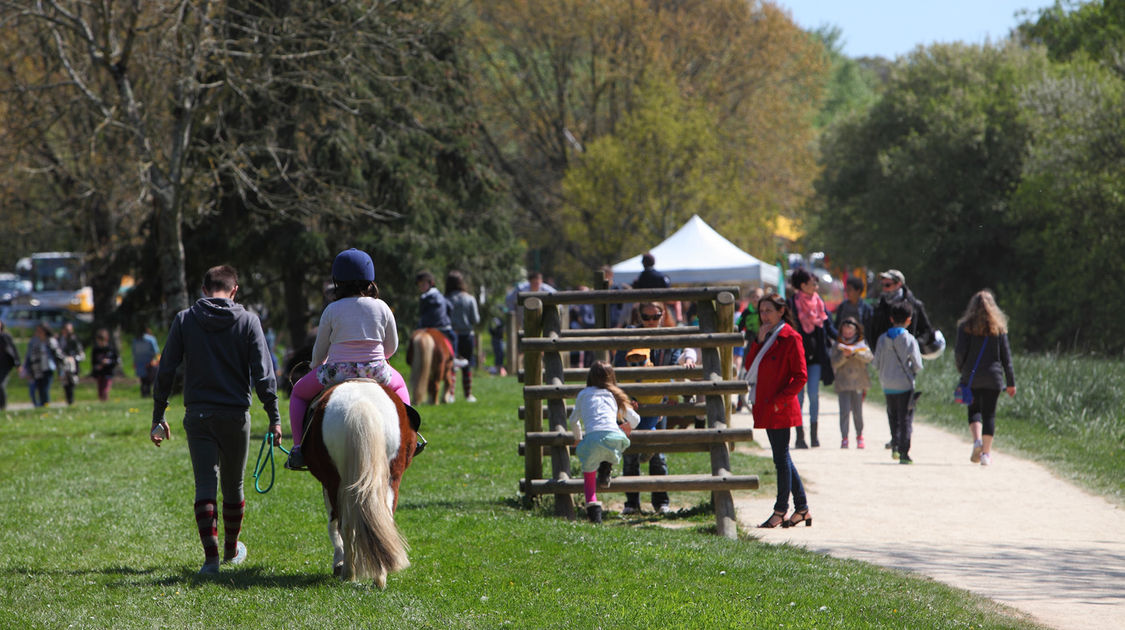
(356, 336)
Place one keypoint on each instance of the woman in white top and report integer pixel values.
(356, 337)
(605, 411)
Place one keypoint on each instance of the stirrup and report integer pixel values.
(420, 445)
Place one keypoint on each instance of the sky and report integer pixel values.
(890, 28)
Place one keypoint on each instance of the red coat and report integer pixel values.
(781, 375)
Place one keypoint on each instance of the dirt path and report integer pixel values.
(1012, 532)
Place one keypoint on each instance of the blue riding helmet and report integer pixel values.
(353, 264)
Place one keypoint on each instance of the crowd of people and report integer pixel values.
(51, 357)
(793, 346)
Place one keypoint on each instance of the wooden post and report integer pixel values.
(533, 417)
(726, 523)
(601, 312)
(556, 410)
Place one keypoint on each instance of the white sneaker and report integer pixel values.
(459, 363)
(985, 459)
(666, 509)
(471, 398)
(239, 554)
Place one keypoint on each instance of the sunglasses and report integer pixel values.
(651, 318)
(888, 284)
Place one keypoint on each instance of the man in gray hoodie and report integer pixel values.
(224, 353)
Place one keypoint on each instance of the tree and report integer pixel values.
(555, 78)
(130, 74)
(1070, 28)
(921, 181)
(1071, 209)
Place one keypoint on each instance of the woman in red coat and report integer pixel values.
(776, 372)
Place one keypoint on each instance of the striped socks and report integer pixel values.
(232, 525)
(207, 521)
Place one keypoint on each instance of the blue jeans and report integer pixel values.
(40, 389)
(788, 481)
(813, 387)
(658, 465)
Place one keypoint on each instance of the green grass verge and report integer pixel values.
(1068, 414)
(97, 532)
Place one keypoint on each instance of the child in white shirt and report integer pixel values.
(605, 412)
(356, 337)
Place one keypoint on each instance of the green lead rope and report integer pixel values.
(260, 465)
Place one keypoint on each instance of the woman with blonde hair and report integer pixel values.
(984, 360)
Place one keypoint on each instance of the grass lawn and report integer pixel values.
(97, 532)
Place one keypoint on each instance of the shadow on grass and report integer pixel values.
(239, 578)
(247, 578)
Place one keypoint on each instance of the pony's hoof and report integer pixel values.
(381, 581)
(338, 570)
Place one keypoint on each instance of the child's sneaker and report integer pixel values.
(594, 512)
(210, 568)
(985, 459)
(977, 448)
(470, 398)
(859, 441)
(844, 443)
(894, 454)
(296, 460)
(903, 458)
(459, 363)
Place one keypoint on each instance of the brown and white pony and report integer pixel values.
(431, 363)
(361, 439)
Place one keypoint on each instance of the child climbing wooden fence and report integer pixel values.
(544, 342)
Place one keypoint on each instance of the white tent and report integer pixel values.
(696, 253)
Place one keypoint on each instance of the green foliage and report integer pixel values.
(636, 186)
(851, 86)
(921, 180)
(101, 535)
(1070, 27)
(1071, 207)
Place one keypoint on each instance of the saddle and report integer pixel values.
(412, 414)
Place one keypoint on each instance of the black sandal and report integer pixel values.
(770, 523)
(794, 521)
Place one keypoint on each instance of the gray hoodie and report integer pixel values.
(224, 353)
(897, 360)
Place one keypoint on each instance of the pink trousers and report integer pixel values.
(308, 387)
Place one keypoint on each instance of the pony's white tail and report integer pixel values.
(371, 539)
(422, 359)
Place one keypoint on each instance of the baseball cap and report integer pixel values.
(893, 274)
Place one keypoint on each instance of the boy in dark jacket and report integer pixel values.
(225, 355)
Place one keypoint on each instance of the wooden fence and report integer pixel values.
(544, 342)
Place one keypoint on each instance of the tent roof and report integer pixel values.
(697, 253)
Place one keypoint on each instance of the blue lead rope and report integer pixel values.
(260, 465)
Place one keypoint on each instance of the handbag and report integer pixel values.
(962, 393)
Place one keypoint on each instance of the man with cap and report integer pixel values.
(893, 284)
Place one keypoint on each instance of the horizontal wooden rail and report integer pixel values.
(634, 332)
(626, 342)
(668, 483)
(669, 372)
(675, 409)
(684, 294)
(677, 388)
(652, 437)
(635, 449)
(655, 409)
